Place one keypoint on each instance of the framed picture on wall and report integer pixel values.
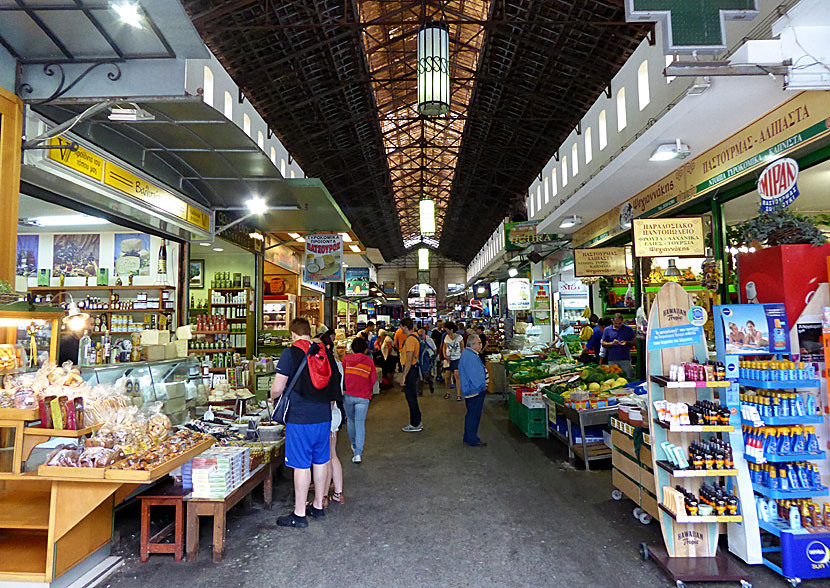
(197, 273)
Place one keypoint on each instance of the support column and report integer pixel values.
(11, 136)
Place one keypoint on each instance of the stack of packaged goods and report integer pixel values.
(208, 481)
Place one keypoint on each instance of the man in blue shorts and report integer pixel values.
(308, 422)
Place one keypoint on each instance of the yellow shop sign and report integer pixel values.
(669, 237)
(82, 161)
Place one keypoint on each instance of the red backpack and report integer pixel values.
(319, 367)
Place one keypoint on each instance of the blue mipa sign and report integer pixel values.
(688, 25)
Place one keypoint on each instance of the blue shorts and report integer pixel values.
(307, 444)
(453, 365)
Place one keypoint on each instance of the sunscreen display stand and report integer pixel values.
(691, 541)
(780, 399)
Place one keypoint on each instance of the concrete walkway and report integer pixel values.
(424, 510)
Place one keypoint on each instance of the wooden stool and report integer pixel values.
(153, 544)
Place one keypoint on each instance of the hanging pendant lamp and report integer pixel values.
(433, 69)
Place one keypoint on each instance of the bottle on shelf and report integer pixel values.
(106, 343)
(162, 267)
(83, 349)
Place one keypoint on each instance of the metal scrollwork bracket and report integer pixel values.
(52, 69)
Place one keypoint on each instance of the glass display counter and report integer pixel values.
(173, 382)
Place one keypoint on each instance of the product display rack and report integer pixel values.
(243, 340)
(793, 552)
(691, 542)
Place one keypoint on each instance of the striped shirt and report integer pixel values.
(360, 375)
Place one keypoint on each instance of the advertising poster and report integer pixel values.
(76, 255)
(602, 261)
(810, 345)
(518, 294)
(357, 281)
(753, 329)
(27, 255)
(669, 237)
(541, 302)
(323, 261)
(132, 254)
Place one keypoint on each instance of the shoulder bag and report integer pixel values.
(281, 409)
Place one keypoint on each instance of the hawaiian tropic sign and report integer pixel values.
(692, 25)
(778, 184)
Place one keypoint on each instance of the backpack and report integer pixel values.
(425, 357)
(421, 346)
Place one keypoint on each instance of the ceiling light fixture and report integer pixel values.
(205, 244)
(355, 248)
(433, 69)
(669, 151)
(67, 219)
(300, 240)
(132, 114)
(128, 13)
(256, 235)
(218, 249)
(294, 235)
(570, 222)
(347, 238)
(256, 205)
(423, 259)
(427, 216)
(512, 272)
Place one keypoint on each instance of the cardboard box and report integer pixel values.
(154, 337)
(152, 352)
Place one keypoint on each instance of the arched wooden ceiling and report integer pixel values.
(335, 79)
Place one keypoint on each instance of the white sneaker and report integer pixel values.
(411, 429)
(354, 451)
(356, 459)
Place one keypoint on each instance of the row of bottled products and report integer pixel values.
(776, 370)
(108, 351)
(221, 360)
(802, 513)
(229, 280)
(762, 441)
(232, 312)
(793, 476)
(118, 323)
(218, 297)
(203, 344)
(769, 403)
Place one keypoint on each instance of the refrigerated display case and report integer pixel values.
(278, 311)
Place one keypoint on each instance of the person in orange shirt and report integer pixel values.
(410, 353)
(399, 339)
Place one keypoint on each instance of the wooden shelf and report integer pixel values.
(121, 310)
(209, 351)
(696, 428)
(228, 303)
(24, 509)
(210, 332)
(22, 552)
(97, 288)
(19, 414)
(695, 473)
(666, 383)
(684, 518)
(66, 433)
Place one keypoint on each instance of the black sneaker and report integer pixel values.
(315, 513)
(292, 520)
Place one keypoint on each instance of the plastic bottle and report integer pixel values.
(792, 476)
(812, 440)
(779, 337)
(810, 408)
(815, 476)
(83, 349)
(798, 442)
(784, 446)
(795, 518)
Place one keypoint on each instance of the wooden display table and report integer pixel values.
(218, 508)
(51, 522)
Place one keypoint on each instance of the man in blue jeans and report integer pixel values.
(308, 422)
(474, 385)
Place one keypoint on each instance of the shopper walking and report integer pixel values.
(387, 347)
(474, 384)
(369, 334)
(409, 378)
(308, 422)
(617, 339)
(427, 358)
(438, 338)
(359, 377)
(452, 348)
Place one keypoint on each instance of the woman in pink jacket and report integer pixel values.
(359, 377)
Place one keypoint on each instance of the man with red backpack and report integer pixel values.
(307, 372)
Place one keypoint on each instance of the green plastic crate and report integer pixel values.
(531, 421)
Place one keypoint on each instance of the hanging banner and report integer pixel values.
(357, 281)
(323, 261)
(778, 184)
(669, 237)
(602, 261)
(520, 235)
(518, 294)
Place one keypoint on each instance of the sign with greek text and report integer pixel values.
(669, 237)
(323, 261)
(602, 261)
(778, 184)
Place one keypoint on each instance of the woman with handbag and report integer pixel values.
(452, 349)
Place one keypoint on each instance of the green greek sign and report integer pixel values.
(692, 25)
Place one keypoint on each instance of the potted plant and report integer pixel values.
(788, 263)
